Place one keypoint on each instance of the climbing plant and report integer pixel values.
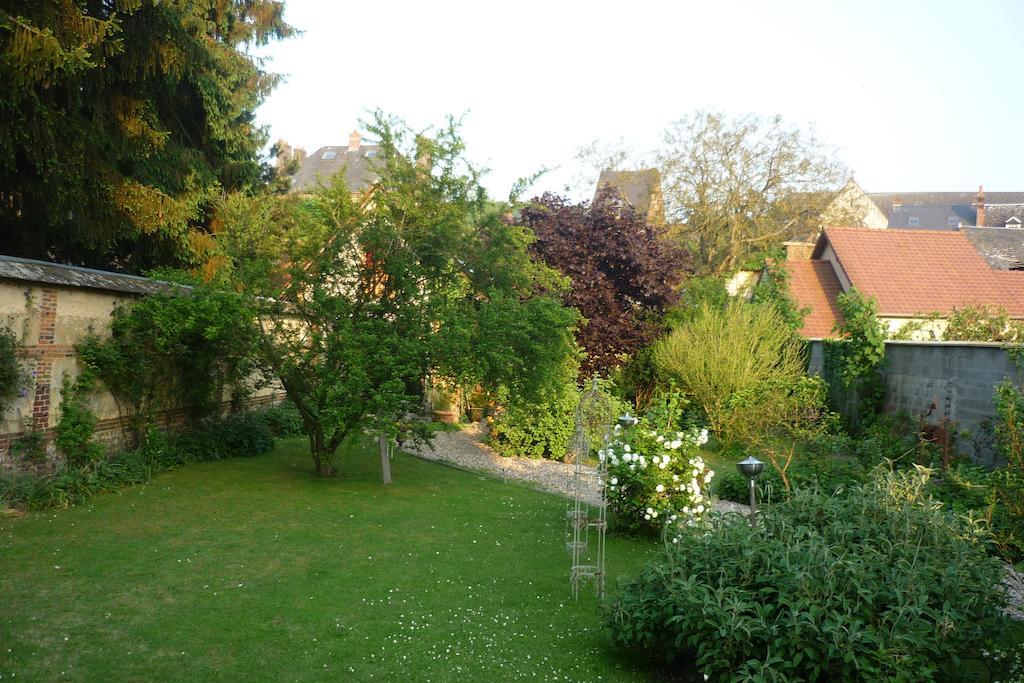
(12, 373)
(852, 363)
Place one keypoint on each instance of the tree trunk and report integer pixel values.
(385, 461)
(321, 455)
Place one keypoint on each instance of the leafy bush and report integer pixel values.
(77, 425)
(720, 352)
(656, 479)
(544, 429)
(239, 435)
(876, 584)
(1006, 506)
(283, 419)
(13, 377)
(185, 349)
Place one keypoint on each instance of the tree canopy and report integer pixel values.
(623, 272)
(421, 277)
(122, 121)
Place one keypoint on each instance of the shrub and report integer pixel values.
(13, 377)
(242, 434)
(283, 419)
(544, 429)
(720, 352)
(77, 424)
(185, 349)
(774, 416)
(656, 479)
(1006, 512)
(876, 584)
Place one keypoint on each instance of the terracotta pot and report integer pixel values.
(476, 413)
(449, 416)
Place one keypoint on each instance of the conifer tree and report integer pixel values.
(121, 121)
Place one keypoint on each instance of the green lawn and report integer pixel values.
(252, 569)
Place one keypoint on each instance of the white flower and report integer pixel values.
(654, 514)
(660, 438)
(675, 444)
(626, 448)
(659, 488)
(647, 517)
(703, 437)
(663, 464)
(600, 456)
(643, 461)
(675, 477)
(676, 540)
(615, 480)
(650, 511)
(700, 509)
(632, 467)
(708, 476)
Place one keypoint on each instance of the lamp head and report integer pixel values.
(751, 467)
(627, 420)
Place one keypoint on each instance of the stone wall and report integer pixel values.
(49, 319)
(960, 377)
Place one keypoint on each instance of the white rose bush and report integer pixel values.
(656, 478)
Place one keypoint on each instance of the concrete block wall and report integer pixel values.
(960, 377)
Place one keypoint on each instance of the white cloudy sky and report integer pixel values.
(916, 95)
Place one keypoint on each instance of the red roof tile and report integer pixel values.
(911, 272)
(814, 285)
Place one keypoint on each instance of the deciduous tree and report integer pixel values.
(421, 277)
(623, 272)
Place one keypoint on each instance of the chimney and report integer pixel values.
(798, 251)
(897, 204)
(980, 206)
(353, 141)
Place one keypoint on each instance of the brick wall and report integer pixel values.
(50, 320)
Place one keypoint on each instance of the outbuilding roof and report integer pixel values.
(914, 272)
(814, 285)
(30, 270)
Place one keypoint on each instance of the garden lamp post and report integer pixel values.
(627, 420)
(750, 468)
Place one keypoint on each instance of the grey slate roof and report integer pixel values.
(935, 209)
(636, 188)
(1003, 248)
(30, 270)
(997, 215)
(358, 166)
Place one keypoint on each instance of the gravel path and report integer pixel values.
(465, 448)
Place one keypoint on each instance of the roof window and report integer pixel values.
(329, 154)
(913, 221)
(953, 222)
(1012, 222)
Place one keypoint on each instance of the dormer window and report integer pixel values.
(329, 154)
(1012, 222)
(913, 221)
(953, 222)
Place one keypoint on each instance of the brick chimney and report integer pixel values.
(979, 204)
(897, 204)
(353, 141)
(798, 251)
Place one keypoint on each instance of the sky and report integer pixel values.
(914, 96)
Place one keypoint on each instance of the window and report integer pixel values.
(913, 221)
(1012, 222)
(953, 222)
(371, 153)
(329, 154)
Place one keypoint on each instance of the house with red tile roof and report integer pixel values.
(912, 274)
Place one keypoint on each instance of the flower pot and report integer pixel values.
(448, 415)
(476, 413)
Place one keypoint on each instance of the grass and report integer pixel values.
(253, 569)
